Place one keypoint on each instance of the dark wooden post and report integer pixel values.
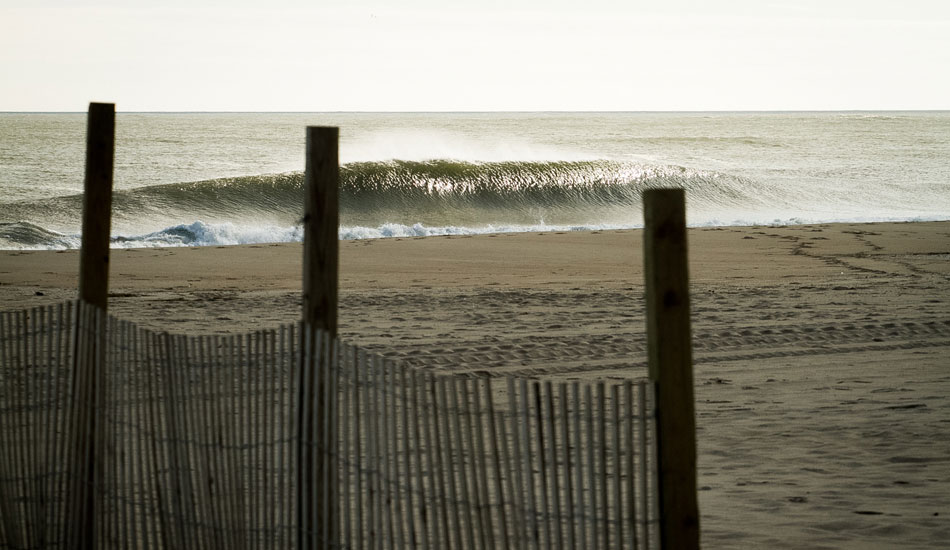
(321, 228)
(89, 338)
(669, 349)
(320, 283)
(97, 205)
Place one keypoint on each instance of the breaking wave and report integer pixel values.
(391, 198)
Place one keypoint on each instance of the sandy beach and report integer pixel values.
(822, 352)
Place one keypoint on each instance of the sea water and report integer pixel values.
(186, 179)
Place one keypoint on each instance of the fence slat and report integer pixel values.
(602, 465)
(529, 488)
(8, 421)
(408, 473)
(557, 518)
(485, 508)
(468, 461)
(458, 410)
(644, 476)
(360, 418)
(592, 470)
(440, 529)
(150, 361)
(579, 467)
(631, 511)
(284, 340)
(220, 353)
(196, 372)
(450, 463)
(130, 366)
(515, 469)
(415, 417)
(203, 418)
(24, 445)
(270, 394)
(546, 520)
(346, 444)
(326, 507)
(386, 474)
(617, 507)
(396, 478)
(76, 446)
(258, 444)
(46, 374)
(568, 500)
(29, 446)
(120, 517)
(305, 482)
(498, 460)
(372, 479)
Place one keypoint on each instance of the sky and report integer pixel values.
(475, 55)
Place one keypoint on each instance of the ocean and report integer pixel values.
(192, 179)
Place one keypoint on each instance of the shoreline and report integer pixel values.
(821, 373)
(239, 288)
(626, 241)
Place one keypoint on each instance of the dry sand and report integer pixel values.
(822, 352)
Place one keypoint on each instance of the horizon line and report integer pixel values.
(543, 111)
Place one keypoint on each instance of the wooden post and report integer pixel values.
(669, 350)
(321, 229)
(320, 283)
(90, 337)
(97, 205)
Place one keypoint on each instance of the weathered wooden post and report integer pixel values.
(320, 283)
(89, 352)
(669, 349)
(97, 205)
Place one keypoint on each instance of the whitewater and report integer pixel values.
(191, 179)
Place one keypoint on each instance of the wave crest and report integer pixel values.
(436, 193)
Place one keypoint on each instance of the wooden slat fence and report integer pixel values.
(197, 443)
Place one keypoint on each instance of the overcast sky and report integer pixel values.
(474, 55)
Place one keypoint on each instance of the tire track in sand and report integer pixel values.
(555, 356)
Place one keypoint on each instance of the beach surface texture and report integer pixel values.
(821, 351)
